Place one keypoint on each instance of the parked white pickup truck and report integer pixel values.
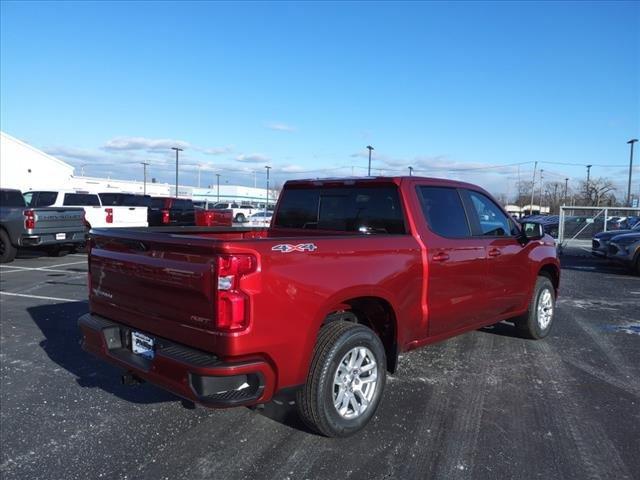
(99, 212)
(241, 211)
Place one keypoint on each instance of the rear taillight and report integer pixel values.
(109, 212)
(233, 303)
(29, 219)
(165, 216)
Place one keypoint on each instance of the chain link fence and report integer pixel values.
(577, 225)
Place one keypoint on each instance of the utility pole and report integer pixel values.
(144, 174)
(588, 185)
(177, 149)
(533, 187)
(266, 204)
(541, 172)
(566, 187)
(369, 171)
(630, 142)
(411, 171)
(218, 186)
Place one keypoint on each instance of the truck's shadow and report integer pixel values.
(62, 344)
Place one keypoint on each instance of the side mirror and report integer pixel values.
(532, 231)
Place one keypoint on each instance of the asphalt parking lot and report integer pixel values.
(485, 405)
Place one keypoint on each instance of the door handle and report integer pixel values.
(440, 257)
(494, 252)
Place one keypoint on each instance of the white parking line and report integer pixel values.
(65, 264)
(39, 297)
(41, 269)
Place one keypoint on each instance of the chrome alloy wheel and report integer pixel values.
(355, 382)
(545, 308)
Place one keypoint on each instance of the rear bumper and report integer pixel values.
(192, 374)
(43, 239)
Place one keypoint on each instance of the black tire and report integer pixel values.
(7, 249)
(636, 270)
(315, 400)
(56, 251)
(529, 325)
(240, 218)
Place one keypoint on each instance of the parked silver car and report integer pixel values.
(625, 249)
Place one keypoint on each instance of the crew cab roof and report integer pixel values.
(382, 180)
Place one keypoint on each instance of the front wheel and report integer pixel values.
(240, 218)
(537, 322)
(346, 380)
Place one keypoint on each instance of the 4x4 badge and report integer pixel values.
(301, 247)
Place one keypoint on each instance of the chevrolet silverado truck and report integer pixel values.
(351, 273)
(51, 229)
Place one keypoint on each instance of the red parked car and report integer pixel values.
(350, 274)
(214, 218)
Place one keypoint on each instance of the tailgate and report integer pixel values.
(130, 216)
(57, 220)
(153, 281)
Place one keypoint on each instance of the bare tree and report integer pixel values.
(598, 192)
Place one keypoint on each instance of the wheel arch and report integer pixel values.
(552, 272)
(375, 312)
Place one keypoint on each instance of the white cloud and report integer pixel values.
(253, 158)
(280, 127)
(216, 150)
(143, 143)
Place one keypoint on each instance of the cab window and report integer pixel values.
(492, 220)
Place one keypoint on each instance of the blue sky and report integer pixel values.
(455, 90)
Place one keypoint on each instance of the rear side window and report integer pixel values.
(11, 198)
(40, 199)
(444, 212)
(157, 202)
(79, 200)
(354, 209)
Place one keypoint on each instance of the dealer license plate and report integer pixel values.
(142, 345)
(61, 236)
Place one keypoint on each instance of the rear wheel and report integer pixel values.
(345, 382)
(240, 218)
(7, 250)
(538, 320)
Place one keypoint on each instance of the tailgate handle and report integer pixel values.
(132, 208)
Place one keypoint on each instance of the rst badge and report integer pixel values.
(288, 248)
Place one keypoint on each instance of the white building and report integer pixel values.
(27, 168)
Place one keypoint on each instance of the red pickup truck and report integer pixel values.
(351, 273)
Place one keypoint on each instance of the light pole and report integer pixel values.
(144, 175)
(411, 171)
(266, 204)
(541, 172)
(177, 149)
(566, 187)
(630, 142)
(218, 186)
(588, 178)
(533, 187)
(370, 148)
